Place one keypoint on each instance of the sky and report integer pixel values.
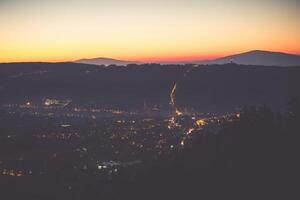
(145, 30)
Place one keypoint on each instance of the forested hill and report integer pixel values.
(206, 87)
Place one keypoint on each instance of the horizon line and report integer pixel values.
(146, 60)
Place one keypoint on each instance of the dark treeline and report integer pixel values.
(255, 156)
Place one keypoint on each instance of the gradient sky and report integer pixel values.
(145, 30)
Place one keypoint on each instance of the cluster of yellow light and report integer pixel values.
(190, 131)
(178, 113)
(200, 122)
(182, 143)
(173, 124)
(12, 172)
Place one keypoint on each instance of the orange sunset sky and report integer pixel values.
(144, 30)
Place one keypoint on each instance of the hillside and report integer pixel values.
(215, 87)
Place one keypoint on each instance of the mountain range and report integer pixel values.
(255, 57)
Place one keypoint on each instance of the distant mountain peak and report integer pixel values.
(259, 57)
(258, 51)
(105, 61)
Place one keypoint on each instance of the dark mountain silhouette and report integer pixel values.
(206, 88)
(105, 61)
(257, 57)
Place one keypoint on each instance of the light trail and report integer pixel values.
(173, 100)
(173, 124)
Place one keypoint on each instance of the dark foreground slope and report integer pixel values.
(254, 156)
(215, 87)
